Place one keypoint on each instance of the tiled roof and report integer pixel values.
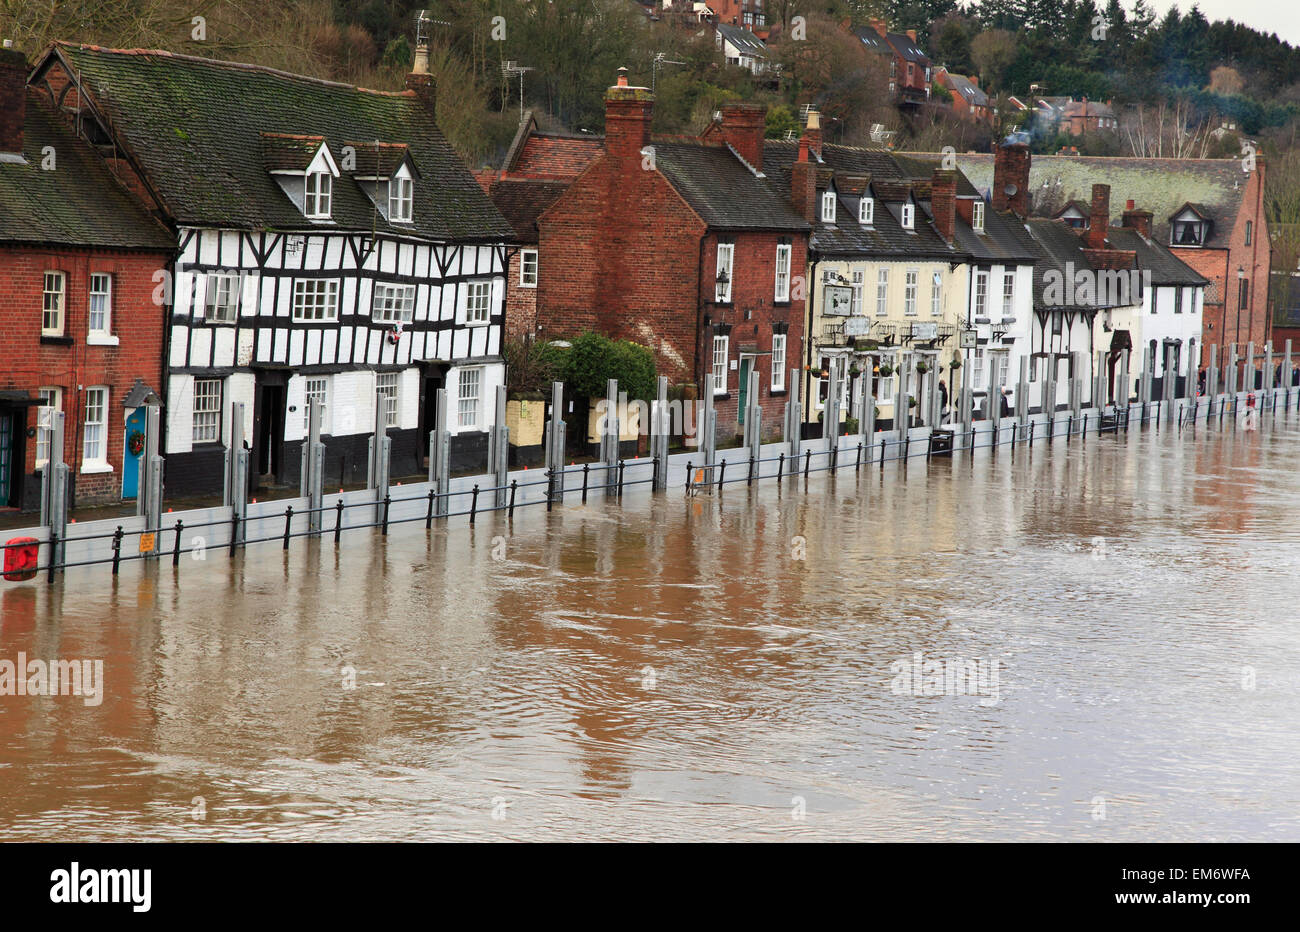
(1162, 186)
(195, 127)
(1062, 252)
(1165, 267)
(78, 203)
(522, 200)
(287, 152)
(378, 160)
(557, 156)
(726, 194)
(854, 169)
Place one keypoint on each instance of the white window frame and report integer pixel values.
(882, 292)
(977, 216)
(867, 211)
(979, 369)
(205, 419)
(478, 302)
(101, 286)
(221, 298)
(318, 195)
(528, 269)
(315, 300)
(855, 306)
(1008, 292)
(721, 348)
(469, 405)
(393, 304)
(911, 286)
(54, 300)
(314, 386)
(388, 386)
(401, 199)
(52, 398)
(725, 263)
(784, 252)
(828, 207)
(885, 385)
(936, 294)
(981, 293)
(94, 434)
(909, 216)
(778, 362)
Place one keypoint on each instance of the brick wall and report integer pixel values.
(521, 302)
(72, 364)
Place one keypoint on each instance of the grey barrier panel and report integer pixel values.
(660, 428)
(440, 454)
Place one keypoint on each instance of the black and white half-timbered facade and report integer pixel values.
(331, 246)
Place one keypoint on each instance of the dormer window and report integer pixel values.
(867, 211)
(828, 207)
(401, 196)
(1188, 232)
(977, 217)
(909, 216)
(318, 195)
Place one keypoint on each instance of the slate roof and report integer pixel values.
(1166, 268)
(968, 90)
(557, 155)
(726, 194)
(853, 168)
(1162, 186)
(78, 203)
(195, 125)
(906, 48)
(1059, 246)
(743, 40)
(873, 40)
(522, 200)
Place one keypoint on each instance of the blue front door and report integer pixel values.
(131, 464)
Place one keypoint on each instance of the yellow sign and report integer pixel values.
(146, 543)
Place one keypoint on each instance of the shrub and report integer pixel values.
(592, 359)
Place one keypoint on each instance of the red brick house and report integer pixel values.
(685, 246)
(82, 333)
(537, 169)
(910, 70)
(969, 102)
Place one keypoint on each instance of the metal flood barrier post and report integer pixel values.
(1169, 383)
(609, 434)
(967, 403)
(1212, 373)
(1248, 377)
(753, 418)
(660, 427)
(54, 488)
(499, 449)
(867, 422)
(1076, 384)
(236, 479)
(1022, 393)
(555, 443)
(793, 416)
(149, 496)
(381, 451)
(831, 412)
(1268, 374)
(708, 433)
(440, 455)
(311, 484)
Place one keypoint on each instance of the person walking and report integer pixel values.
(1005, 410)
(943, 401)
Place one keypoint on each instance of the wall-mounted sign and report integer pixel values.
(857, 327)
(837, 299)
(924, 330)
(968, 339)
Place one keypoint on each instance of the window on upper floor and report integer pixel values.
(778, 362)
(393, 304)
(318, 195)
(783, 252)
(909, 216)
(316, 299)
(528, 268)
(1250, 230)
(100, 311)
(828, 207)
(936, 294)
(909, 292)
(53, 298)
(722, 289)
(981, 293)
(1187, 233)
(478, 302)
(977, 216)
(1008, 292)
(867, 211)
(221, 299)
(882, 292)
(401, 197)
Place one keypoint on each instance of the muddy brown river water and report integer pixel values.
(728, 667)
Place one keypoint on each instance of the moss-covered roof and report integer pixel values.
(195, 127)
(77, 202)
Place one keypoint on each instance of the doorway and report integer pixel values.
(131, 462)
(434, 378)
(746, 366)
(10, 453)
(268, 427)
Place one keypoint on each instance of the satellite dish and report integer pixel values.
(1010, 190)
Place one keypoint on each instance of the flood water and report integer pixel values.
(716, 668)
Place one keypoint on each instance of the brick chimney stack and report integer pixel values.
(803, 183)
(943, 202)
(1098, 216)
(628, 112)
(813, 132)
(911, 34)
(743, 126)
(879, 26)
(13, 100)
(1011, 179)
(1139, 220)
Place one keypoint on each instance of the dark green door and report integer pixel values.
(6, 456)
(745, 363)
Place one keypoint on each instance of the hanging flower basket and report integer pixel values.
(923, 367)
(885, 370)
(854, 371)
(955, 364)
(135, 443)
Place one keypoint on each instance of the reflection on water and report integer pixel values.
(669, 669)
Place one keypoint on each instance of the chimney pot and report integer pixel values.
(622, 77)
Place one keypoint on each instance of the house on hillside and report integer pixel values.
(741, 47)
(1207, 212)
(910, 70)
(968, 101)
(332, 246)
(79, 260)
